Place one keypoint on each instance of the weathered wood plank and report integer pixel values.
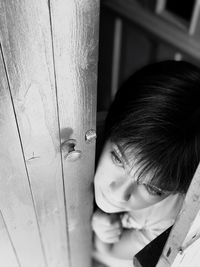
(8, 256)
(26, 40)
(75, 55)
(190, 255)
(185, 223)
(15, 199)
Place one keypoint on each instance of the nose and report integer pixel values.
(122, 189)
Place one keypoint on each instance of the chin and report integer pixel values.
(107, 207)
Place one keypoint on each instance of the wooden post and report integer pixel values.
(183, 230)
(48, 70)
(75, 60)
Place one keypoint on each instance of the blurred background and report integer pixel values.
(134, 33)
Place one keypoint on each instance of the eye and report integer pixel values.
(154, 191)
(116, 159)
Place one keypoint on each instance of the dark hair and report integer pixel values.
(156, 117)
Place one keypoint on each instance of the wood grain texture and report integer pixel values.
(7, 251)
(185, 224)
(16, 203)
(50, 51)
(75, 55)
(190, 257)
(26, 41)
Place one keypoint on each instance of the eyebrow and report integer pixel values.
(119, 152)
(118, 149)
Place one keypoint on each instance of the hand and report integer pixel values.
(107, 227)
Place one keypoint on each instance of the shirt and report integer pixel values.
(146, 224)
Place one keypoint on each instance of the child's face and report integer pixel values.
(115, 188)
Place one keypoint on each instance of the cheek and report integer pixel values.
(143, 198)
(104, 168)
(99, 177)
(103, 175)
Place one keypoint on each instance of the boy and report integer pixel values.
(151, 151)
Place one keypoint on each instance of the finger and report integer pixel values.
(107, 230)
(109, 239)
(109, 236)
(113, 232)
(101, 220)
(107, 227)
(116, 224)
(103, 223)
(116, 231)
(114, 218)
(105, 218)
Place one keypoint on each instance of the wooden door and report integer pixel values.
(48, 74)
